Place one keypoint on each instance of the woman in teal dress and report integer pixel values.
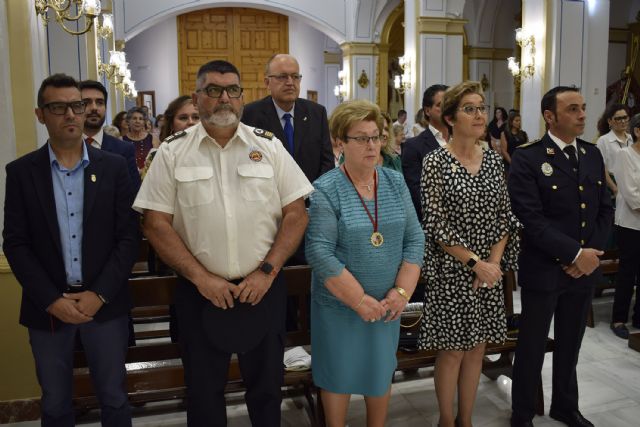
(365, 245)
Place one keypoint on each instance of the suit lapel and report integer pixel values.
(300, 127)
(557, 158)
(44, 191)
(583, 162)
(271, 116)
(92, 180)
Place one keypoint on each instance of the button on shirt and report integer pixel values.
(226, 201)
(610, 146)
(68, 191)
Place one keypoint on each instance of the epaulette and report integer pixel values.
(528, 144)
(175, 136)
(263, 133)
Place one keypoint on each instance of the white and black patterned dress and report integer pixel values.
(473, 211)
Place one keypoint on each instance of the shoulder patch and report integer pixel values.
(175, 136)
(263, 133)
(528, 144)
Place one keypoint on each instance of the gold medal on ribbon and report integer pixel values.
(376, 239)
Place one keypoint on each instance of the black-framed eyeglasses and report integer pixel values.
(362, 140)
(214, 91)
(284, 77)
(621, 118)
(472, 110)
(60, 108)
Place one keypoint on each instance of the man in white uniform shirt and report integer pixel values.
(223, 206)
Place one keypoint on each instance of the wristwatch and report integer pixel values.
(268, 269)
(472, 261)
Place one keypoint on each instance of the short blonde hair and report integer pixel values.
(349, 113)
(453, 96)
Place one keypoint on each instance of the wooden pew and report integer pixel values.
(609, 263)
(154, 370)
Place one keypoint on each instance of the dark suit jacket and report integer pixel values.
(413, 152)
(311, 143)
(126, 150)
(32, 238)
(560, 211)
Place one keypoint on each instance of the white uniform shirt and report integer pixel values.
(226, 202)
(610, 146)
(628, 198)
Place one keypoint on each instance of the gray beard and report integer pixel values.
(224, 119)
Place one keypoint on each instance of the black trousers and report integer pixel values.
(105, 345)
(628, 275)
(569, 306)
(206, 368)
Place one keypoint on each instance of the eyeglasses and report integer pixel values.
(472, 110)
(362, 140)
(213, 91)
(621, 118)
(60, 108)
(284, 77)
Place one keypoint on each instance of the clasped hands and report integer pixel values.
(390, 307)
(76, 308)
(488, 274)
(585, 264)
(222, 293)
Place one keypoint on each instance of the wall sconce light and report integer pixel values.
(527, 66)
(402, 82)
(106, 29)
(340, 90)
(89, 9)
(117, 72)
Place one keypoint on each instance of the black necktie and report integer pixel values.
(573, 159)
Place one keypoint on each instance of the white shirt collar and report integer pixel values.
(280, 111)
(438, 135)
(97, 139)
(611, 137)
(561, 144)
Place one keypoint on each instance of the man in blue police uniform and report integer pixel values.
(558, 192)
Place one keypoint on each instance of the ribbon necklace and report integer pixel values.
(376, 237)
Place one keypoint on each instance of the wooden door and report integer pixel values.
(245, 37)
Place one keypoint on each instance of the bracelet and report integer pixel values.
(402, 292)
(360, 303)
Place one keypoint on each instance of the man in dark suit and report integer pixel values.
(300, 124)
(70, 237)
(95, 96)
(414, 149)
(558, 192)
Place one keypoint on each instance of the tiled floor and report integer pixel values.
(608, 376)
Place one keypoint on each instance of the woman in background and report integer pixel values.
(496, 126)
(120, 121)
(142, 140)
(512, 137)
(612, 127)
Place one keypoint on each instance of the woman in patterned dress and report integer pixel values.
(365, 246)
(471, 238)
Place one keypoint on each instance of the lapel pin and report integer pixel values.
(93, 178)
(582, 150)
(551, 151)
(305, 119)
(454, 168)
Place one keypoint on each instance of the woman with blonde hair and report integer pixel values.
(472, 237)
(365, 246)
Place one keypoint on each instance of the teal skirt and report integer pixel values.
(349, 355)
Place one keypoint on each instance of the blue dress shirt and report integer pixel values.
(68, 191)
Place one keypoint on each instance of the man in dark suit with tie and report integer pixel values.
(414, 149)
(70, 237)
(95, 96)
(300, 124)
(558, 192)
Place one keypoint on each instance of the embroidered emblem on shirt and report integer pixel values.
(263, 133)
(546, 169)
(255, 155)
